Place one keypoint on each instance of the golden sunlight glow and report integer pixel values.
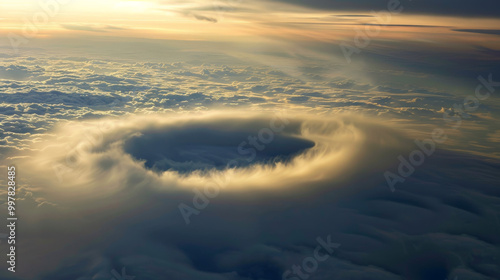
(238, 21)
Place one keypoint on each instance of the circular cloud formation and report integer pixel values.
(109, 174)
(244, 150)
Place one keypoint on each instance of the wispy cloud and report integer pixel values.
(200, 17)
(480, 31)
(456, 8)
(91, 28)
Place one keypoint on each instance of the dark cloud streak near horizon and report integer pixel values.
(466, 8)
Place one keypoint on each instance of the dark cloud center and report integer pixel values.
(202, 148)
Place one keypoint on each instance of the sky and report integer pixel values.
(262, 140)
(258, 21)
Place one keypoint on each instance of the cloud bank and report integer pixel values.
(96, 206)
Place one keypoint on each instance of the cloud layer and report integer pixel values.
(84, 133)
(98, 208)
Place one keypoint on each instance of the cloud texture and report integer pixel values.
(99, 208)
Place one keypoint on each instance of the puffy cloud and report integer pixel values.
(16, 72)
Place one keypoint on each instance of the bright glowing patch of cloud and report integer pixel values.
(342, 146)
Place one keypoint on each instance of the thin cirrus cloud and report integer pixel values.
(488, 8)
(91, 28)
(480, 31)
(205, 18)
(238, 21)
